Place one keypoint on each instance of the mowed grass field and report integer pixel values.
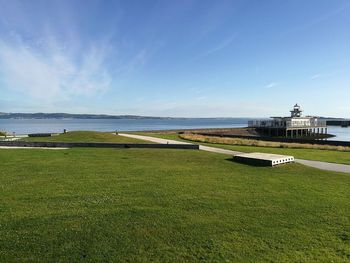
(307, 154)
(85, 136)
(142, 205)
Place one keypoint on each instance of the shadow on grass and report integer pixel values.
(245, 163)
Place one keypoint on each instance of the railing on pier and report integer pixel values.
(312, 123)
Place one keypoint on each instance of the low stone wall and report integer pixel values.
(290, 140)
(39, 135)
(98, 145)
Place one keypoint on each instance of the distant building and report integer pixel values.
(293, 126)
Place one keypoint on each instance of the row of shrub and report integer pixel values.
(252, 142)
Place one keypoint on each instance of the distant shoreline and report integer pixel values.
(40, 115)
(98, 116)
(71, 116)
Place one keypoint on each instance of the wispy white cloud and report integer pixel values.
(316, 76)
(329, 15)
(200, 108)
(272, 85)
(138, 60)
(202, 98)
(50, 74)
(223, 44)
(322, 18)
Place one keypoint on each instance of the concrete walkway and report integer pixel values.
(166, 141)
(334, 167)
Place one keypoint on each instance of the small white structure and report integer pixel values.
(263, 159)
(292, 126)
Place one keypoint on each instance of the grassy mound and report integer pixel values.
(85, 136)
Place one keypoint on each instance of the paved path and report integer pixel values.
(315, 164)
(335, 167)
(152, 139)
(165, 141)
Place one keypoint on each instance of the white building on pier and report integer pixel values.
(294, 126)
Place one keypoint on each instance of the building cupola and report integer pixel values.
(296, 112)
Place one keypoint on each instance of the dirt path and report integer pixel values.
(315, 164)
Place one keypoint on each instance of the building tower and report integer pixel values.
(296, 111)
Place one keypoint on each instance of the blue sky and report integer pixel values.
(175, 58)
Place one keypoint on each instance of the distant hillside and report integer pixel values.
(71, 116)
(338, 122)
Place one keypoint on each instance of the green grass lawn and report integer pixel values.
(308, 154)
(85, 136)
(140, 205)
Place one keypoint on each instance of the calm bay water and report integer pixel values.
(25, 126)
